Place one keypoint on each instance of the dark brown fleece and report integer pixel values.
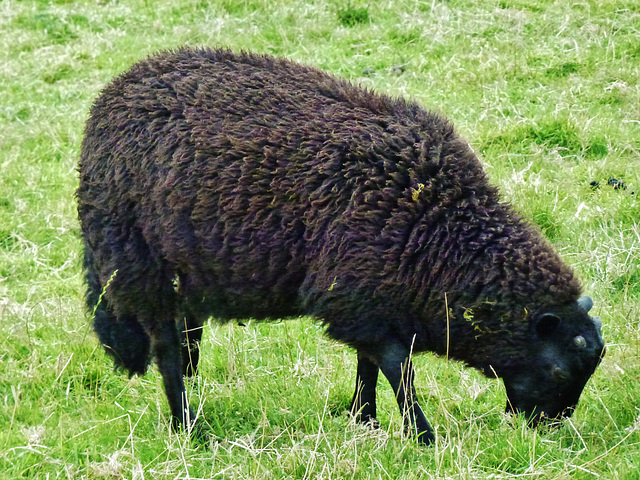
(239, 185)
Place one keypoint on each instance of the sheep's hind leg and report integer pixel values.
(165, 345)
(363, 405)
(395, 363)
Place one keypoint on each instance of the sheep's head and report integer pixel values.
(564, 350)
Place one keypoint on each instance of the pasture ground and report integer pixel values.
(547, 92)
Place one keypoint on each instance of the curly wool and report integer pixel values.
(242, 186)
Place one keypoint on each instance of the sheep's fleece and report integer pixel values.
(236, 185)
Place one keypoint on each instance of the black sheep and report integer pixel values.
(236, 185)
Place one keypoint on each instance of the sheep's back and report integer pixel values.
(254, 179)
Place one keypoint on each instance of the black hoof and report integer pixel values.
(426, 438)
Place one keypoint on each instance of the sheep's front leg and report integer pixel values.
(395, 364)
(363, 405)
(165, 345)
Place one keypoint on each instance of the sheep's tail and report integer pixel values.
(122, 337)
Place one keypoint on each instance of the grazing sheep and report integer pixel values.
(236, 185)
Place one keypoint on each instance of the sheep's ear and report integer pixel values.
(547, 324)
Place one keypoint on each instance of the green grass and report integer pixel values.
(546, 92)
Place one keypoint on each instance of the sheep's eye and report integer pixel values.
(580, 341)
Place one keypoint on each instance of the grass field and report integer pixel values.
(548, 94)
